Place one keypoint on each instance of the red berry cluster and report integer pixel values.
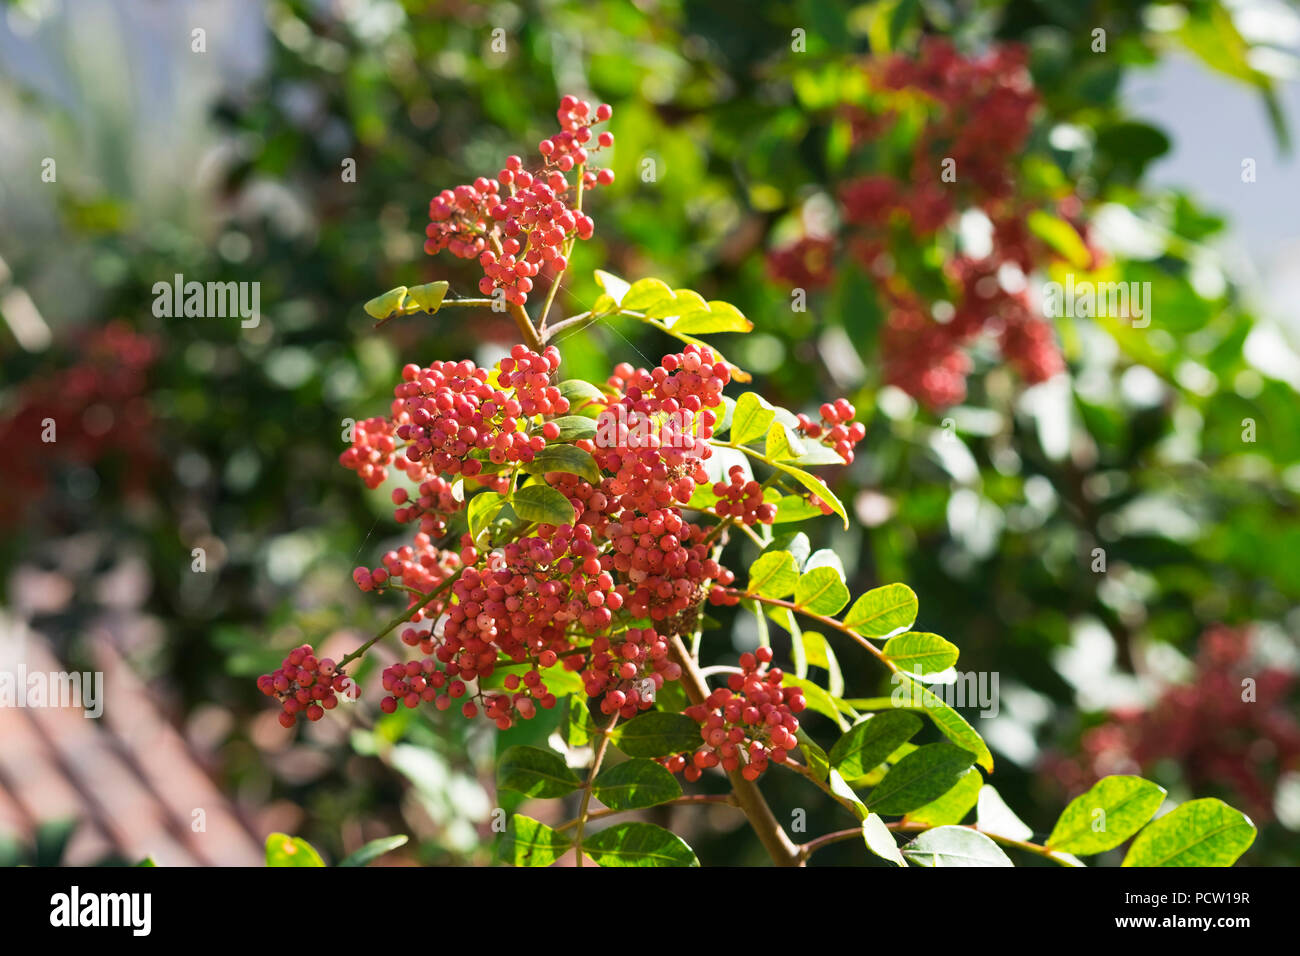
(576, 595)
(422, 567)
(666, 561)
(450, 420)
(836, 430)
(459, 218)
(304, 685)
(551, 596)
(655, 469)
(980, 117)
(742, 500)
(1216, 735)
(568, 148)
(520, 222)
(437, 499)
(371, 451)
(417, 682)
(628, 670)
(745, 724)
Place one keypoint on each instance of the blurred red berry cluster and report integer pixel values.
(80, 415)
(965, 157)
(1233, 727)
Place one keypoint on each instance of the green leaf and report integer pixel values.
(635, 784)
(920, 653)
(543, 504)
(821, 591)
(374, 849)
(429, 298)
(954, 846)
(883, 610)
(639, 844)
(536, 772)
(482, 508)
(824, 558)
(390, 303)
(614, 287)
(815, 453)
(840, 787)
(818, 653)
(717, 317)
(148, 861)
(579, 393)
(573, 428)
(683, 301)
(922, 776)
(993, 816)
(529, 843)
(817, 487)
(953, 806)
(1211, 33)
(773, 575)
(790, 508)
(796, 542)
(1114, 809)
(285, 850)
(816, 758)
(645, 294)
(880, 840)
(1199, 833)
(577, 728)
(782, 444)
(870, 741)
(950, 723)
(751, 418)
(604, 305)
(656, 734)
(567, 459)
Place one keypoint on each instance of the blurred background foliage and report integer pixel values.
(228, 166)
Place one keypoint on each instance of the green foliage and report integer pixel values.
(373, 850)
(634, 785)
(883, 611)
(529, 843)
(535, 772)
(1106, 815)
(639, 844)
(1204, 832)
(563, 458)
(748, 136)
(656, 734)
(542, 504)
(925, 774)
(870, 741)
(954, 846)
(285, 850)
(919, 653)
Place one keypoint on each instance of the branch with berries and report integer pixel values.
(568, 541)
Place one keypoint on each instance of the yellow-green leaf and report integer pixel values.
(285, 850)
(390, 303)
